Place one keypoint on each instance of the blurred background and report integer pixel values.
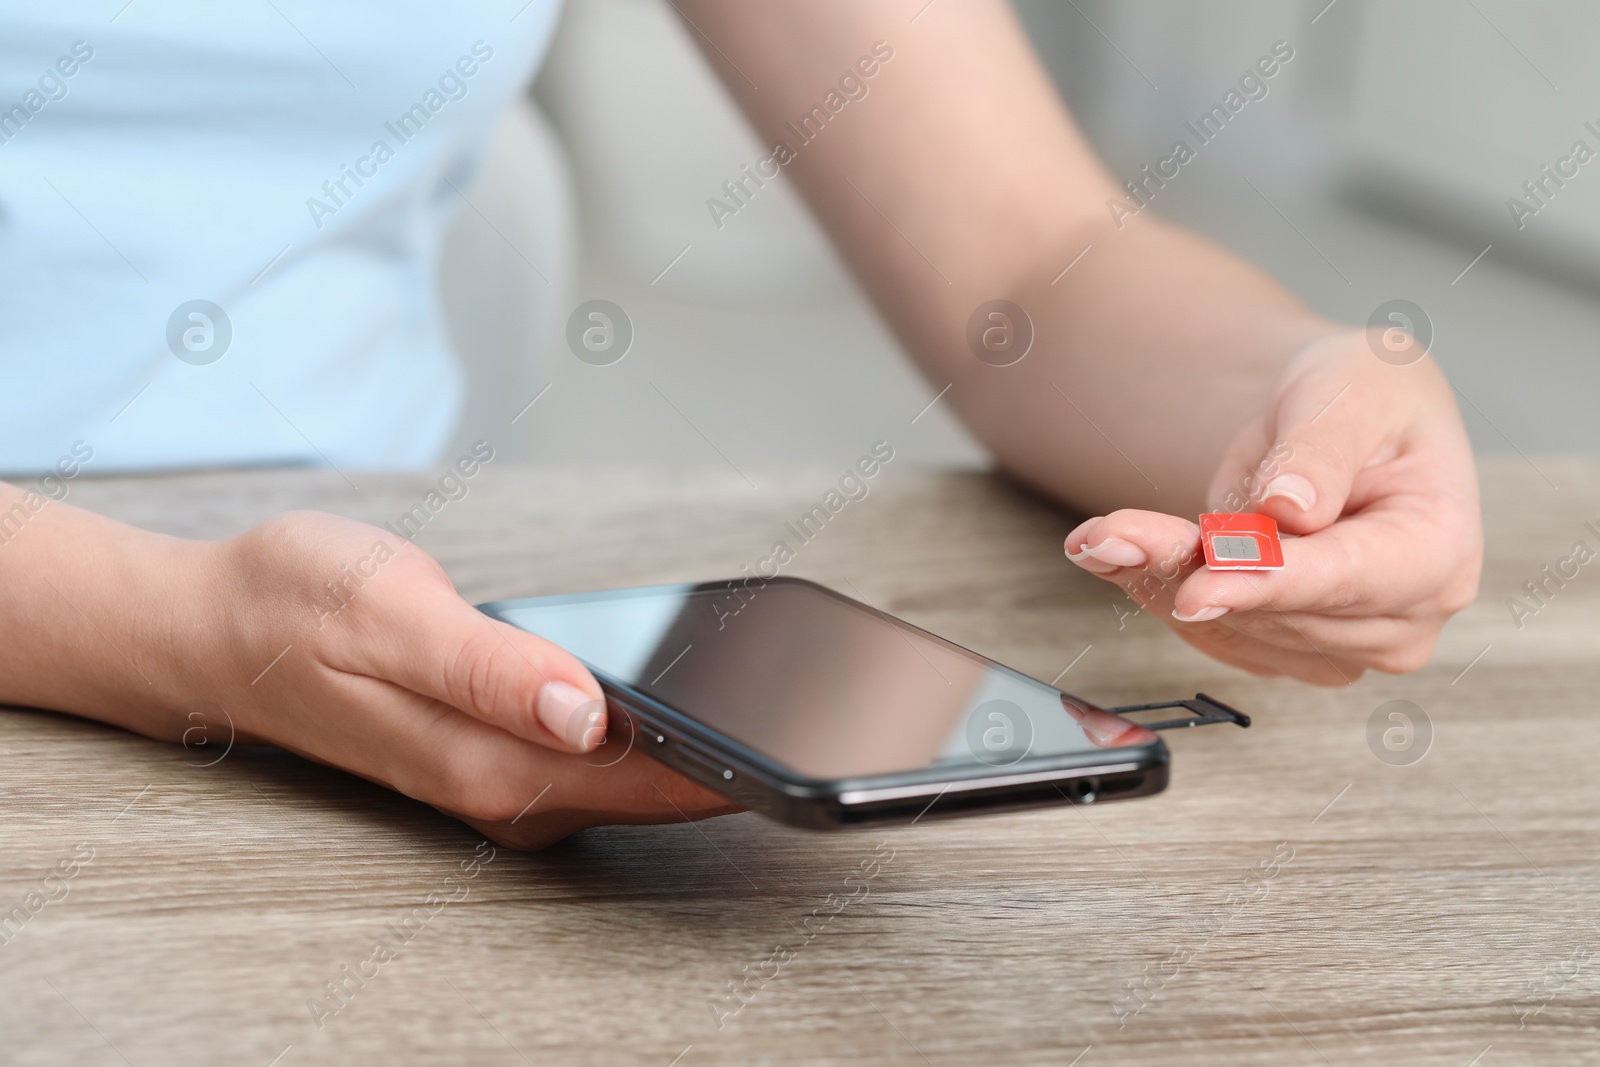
(1378, 166)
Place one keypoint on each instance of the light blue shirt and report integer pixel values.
(293, 163)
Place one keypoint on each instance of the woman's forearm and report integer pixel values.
(1148, 357)
(1149, 352)
(93, 612)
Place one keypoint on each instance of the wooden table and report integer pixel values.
(1396, 914)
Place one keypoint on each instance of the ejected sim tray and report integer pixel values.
(1240, 542)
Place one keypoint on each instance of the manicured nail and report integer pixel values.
(1102, 732)
(572, 715)
(1113, 550)
(1203, 615)
(1103, 737)
(1105, 729)
(1294, 488)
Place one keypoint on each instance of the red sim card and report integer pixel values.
(1241, 542)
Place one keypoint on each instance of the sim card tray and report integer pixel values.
(1207, 710)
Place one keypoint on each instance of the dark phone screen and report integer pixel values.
(825, 686)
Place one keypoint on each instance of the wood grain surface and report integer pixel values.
(1291, 899)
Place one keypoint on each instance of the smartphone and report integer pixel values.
(822, 712)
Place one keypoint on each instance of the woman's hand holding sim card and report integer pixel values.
(1365, 464)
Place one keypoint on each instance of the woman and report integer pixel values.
(299, 162)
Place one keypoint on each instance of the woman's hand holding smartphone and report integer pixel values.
(332, 639)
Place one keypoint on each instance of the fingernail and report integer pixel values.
(1113, 550)
(1292, 487)
(1103, 729)
(1203, 615)
(1100, 735)
(572, 715)
(1098, 568)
